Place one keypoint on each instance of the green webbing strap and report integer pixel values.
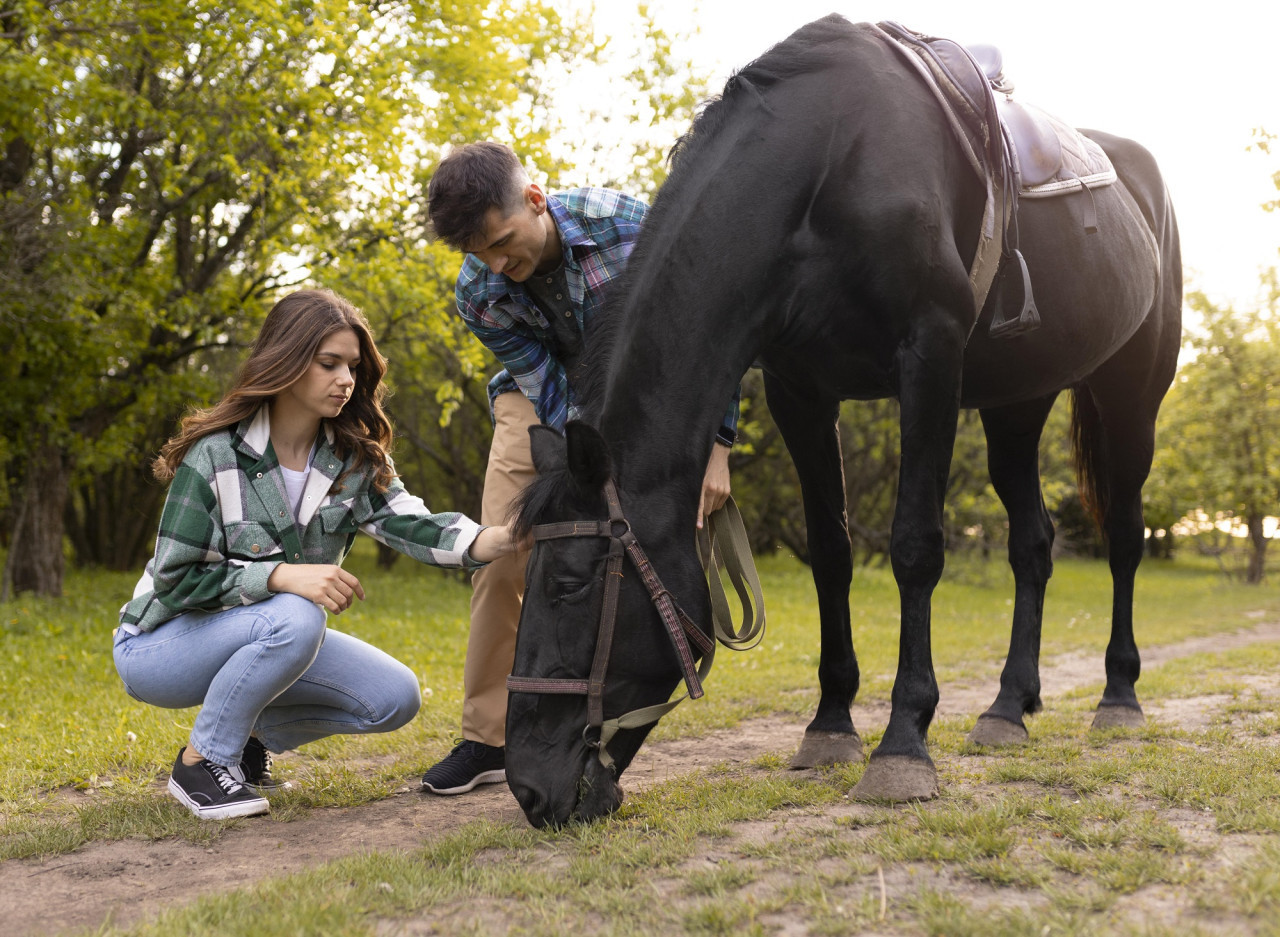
(643, 717)
(722, 544)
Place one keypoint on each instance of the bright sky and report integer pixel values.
(1191, 87)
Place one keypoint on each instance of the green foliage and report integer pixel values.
(1220, 426)
(625, 108)
(767, 490)
(1263, 141)
(166, 170)
(170, 167)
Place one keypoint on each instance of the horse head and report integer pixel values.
(577, 630)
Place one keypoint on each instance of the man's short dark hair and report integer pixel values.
(469, 182)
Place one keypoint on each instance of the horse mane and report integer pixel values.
(808, 49)
(551, 489)
(600, 340)
(538, 498)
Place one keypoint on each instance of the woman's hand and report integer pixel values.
(322, 583)
(493, 542)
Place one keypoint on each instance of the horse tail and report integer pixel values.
(1089, 454)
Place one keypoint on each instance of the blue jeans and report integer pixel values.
(271, 669)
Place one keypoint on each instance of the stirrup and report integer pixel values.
(1028, 318)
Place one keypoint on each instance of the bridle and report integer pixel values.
(681, 629)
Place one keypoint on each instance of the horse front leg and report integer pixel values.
(811, 430)
(1013, 447)
(929, 368)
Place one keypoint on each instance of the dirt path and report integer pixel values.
(129, 881)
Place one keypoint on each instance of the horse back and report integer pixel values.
(849, 204)
(1104, 295)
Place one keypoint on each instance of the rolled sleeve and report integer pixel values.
(403, 522)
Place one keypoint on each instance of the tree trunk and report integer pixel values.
(386, 556)
(111, 519)
(35, 563)
(1257, 552)
(1160, 548)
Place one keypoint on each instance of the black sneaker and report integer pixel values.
(470, 763)
(212, 791)
(254, 769)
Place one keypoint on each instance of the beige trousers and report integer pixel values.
(498, 587)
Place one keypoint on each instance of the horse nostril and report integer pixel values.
(532, 803)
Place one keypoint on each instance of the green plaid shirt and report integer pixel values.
(227, 524)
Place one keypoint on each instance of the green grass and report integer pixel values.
(1057, 837)
(991, 862)
(65, 721)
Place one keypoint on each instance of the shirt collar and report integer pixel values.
(252, 435)
(572, 233)
(572, 236)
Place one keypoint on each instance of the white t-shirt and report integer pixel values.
(296, 482)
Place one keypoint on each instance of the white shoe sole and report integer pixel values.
(243, 808)
(484, 777)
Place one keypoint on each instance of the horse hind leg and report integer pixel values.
(1013, 446)
(1116, 453)
(811, 432)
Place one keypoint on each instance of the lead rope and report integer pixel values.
(722, 546)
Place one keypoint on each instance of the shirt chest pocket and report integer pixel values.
(249, 540)
(337, 519)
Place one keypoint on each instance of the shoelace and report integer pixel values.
(224, 778)
(255, 764)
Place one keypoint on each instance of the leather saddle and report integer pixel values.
(1019, 151)
(1050, 157)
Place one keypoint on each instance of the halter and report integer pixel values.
(680, 627)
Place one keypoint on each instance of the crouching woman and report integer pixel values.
(267, 490)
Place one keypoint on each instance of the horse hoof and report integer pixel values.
(994, 732)
(1118, 717)
(897, 779)
(827, 748)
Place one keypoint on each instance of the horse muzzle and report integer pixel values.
(596, 794)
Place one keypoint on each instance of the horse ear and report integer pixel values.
(547, 447)
(589, 461)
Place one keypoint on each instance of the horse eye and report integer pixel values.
(569, 590)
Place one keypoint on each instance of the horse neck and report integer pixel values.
(669, 384)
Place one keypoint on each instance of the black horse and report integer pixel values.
(819, 221)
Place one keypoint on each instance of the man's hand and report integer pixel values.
(715, 484)
(322, 583)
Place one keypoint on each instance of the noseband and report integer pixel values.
(680, 627)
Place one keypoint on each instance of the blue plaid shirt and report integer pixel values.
(598, 228)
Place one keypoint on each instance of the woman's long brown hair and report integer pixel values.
(290, 337)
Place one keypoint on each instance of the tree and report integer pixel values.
(388, 263)
(1221, 422)
(166, 167)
